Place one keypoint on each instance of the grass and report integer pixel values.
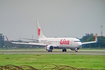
(39, 60)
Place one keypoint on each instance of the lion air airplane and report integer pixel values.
(59, 43)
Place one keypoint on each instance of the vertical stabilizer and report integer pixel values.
(39, 30)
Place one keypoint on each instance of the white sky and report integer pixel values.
(57, 18)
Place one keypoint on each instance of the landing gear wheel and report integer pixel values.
(49, 50)
(76, 50)
(64, 50)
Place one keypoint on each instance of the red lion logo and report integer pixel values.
(63, 41)
(39, 31)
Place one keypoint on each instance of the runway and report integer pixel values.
(80, 52)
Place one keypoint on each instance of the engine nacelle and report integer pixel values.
(49, 48)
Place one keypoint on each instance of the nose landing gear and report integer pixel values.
(76, 49)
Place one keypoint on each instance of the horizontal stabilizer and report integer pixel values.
(29, 39)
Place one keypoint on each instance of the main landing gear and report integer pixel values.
(64, 50)
(49, 50)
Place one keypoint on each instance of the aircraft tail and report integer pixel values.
(39, 30)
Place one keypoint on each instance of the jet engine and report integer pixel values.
(49, 48)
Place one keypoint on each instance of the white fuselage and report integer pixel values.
(61, 42)
(50, 43)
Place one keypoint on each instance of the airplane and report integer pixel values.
(56, 43)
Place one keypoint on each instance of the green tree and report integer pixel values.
(90, 37)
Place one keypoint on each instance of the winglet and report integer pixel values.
(91, 41)
(7, 39)
(96, 37)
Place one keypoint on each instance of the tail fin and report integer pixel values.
(40, 34)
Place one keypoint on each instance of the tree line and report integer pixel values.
(88, 37)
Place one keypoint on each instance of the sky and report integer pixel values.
(57, 18)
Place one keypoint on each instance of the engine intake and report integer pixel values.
(49, 48)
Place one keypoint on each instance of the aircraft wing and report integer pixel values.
(36, 44)
(91, 41)
(29, 39)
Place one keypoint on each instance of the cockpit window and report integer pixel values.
(76, 41)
